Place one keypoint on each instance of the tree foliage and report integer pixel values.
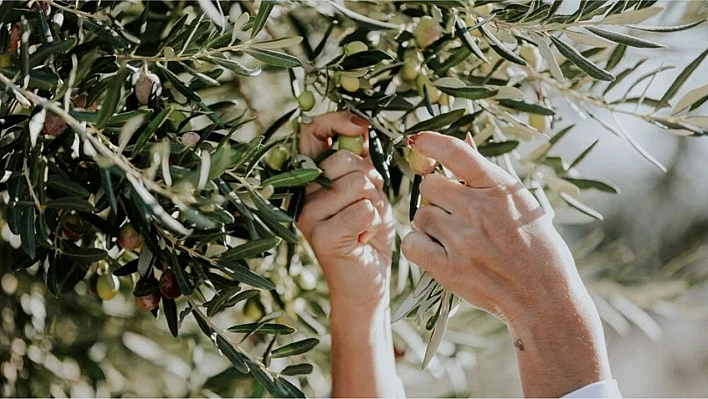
(120, 114)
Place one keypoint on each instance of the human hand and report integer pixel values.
(349, 226)
(489, 241)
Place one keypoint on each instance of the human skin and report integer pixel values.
(350, 229)
(484, 236)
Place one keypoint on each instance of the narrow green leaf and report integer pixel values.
(292, 178)
(585, 184)
(464, 33)
(295, 348)
(690, 98)
(574, 203)
(45, 50)
(262, 16)
(680, 80)
(84, 256)
(615, 57)
(581, 62)
(437, 122)
(112, 98)
(500, 48)
(250, 249)
(470, 93)
(234, 66)
(245, 275)
(665, 29)
(270, 328)
(274, 58)
(228, 297)
(527, 107)
(361, 19)
(364, 59)
(297, 369)
(150, 129)
(169, 307)
(621, 38)
(179, 85)
(27, 232)
(545, 51)
(288, 390)
(236, 358)
(70, 203)
(582, 155)
(108, 188)
(497, 149)
(67, 186)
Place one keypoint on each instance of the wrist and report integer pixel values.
(560, 344)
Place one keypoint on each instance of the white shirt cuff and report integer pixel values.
(599, 390)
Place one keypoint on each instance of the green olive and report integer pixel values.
(129, 238)
(349, 83)
(353, 144)
(306, 100)
(107, 286)
(277, 157)
(427, 32)
(355, 47)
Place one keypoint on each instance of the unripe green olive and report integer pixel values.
(5, 60)
(355, 47)
(485, 9)
(531, 55)
(540, 122)
(350, 84)
(353, 144)
(148, 302)
(411, 67)
(107, 286)
(147, 85)
(306, 100)
(433, 92)
(169, 286)
(128, 238)
(277, 157)
(427, 32)
(420, 164)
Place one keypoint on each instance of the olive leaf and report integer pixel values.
(581, 62)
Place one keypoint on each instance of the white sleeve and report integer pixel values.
(599, 390)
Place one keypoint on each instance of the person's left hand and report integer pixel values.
(350, 225)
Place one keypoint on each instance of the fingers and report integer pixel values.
(342, 122)
(316, 136)
(443, 192)
(460, 158)
(433, 221)
(345, 191)
(354, 221)
(344, 162)
(420, 249)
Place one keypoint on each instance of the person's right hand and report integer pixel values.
(489, 241)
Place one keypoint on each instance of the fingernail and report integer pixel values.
(412, 139)
(470, 140)
(359, 121)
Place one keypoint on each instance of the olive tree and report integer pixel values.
(138, 158)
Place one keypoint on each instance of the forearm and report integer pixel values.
(363, 363)
(560, 347)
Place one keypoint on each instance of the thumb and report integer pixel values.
(316, 136)
(422, 250)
